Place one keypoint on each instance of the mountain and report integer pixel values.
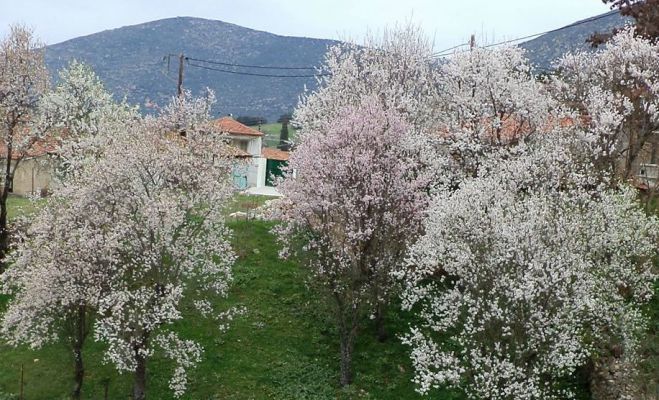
(130, 60)
(545, 49)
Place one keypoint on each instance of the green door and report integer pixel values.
(273, 169)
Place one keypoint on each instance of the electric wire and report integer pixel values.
(253, 73)
(585, 21)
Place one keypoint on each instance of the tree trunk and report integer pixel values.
(380, 311)
(79, 374)
(78, 343)
(4, 233)
(348, 316)
(347, 347)
(139, 384)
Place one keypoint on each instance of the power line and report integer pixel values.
(439, 53)
(248, 66)
(254, 74)
(585, 21)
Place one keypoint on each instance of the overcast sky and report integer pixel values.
(449, 22)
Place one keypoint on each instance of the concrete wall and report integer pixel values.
(253, 144)
(33, 175)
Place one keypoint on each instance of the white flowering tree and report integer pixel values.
(616, 90)
(59, 272)
(129, 238)
(82, 115)
(488, 99)
(167, 194)
(522, 275)
(397, 67)
(355, 193)
(23, 81)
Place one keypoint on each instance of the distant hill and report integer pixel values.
(545, 49)
(130, 62)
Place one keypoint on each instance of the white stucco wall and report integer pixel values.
(254, 147)
(261, 168)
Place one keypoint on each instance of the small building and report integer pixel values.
(34, 174)
(262, 164)
(249, 142)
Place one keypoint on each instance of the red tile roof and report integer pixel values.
(47, 145)
(512, 128)
(233, 127)
(274, 154)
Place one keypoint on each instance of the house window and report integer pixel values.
(241, 144)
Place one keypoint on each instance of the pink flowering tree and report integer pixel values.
(355, 194)
(523, 273)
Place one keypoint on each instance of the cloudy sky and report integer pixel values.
(448, 22)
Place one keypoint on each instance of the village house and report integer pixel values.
(34, 174)
(261, 164)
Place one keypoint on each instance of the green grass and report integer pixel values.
(18, 206)
(283, 348)
(271, 131)
(246, 202)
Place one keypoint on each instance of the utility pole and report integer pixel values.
(472, 42)
(181, 58)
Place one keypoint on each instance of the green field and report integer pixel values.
(272, 131)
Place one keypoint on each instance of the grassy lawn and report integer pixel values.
(18, 205)
(245, 202)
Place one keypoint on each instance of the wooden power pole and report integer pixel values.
(181, 58)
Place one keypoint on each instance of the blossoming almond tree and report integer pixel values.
(82, 115)
(488, 99)
(397, 67)
(355, 194)
(130, 236)
(59, 273)
(167, 194)
(522, 274)
(23, 81)
(616, 89)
